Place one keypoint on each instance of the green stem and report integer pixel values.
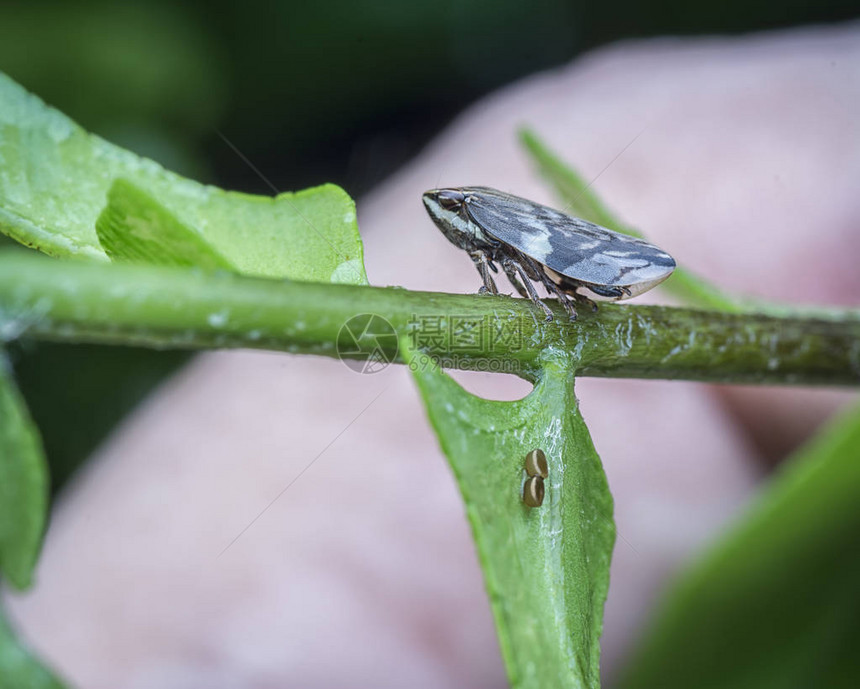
(179, 308)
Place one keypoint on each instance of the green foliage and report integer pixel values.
(54, 182)
(54, 179)
(775, 603)
(23, 485)
(546, 568)
(134, 227)
(18, 668)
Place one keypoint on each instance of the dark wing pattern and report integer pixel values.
(573, 247)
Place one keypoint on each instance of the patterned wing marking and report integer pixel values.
(573, 247)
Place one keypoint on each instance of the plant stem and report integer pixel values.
(160, 307)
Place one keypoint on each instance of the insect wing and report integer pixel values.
(570, 246)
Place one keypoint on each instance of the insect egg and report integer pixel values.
(536, 464)
(533, 491)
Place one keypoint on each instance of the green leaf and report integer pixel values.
(54, 180)
(23, 485)
(578, 198)
(134, 227)
(776, 603)
(546, 568)
(18, 668)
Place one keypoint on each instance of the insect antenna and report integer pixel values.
(570, 204)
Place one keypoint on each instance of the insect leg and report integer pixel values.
(552, 288)
(480, 261)
(533, 295)
(511, 272)
(562, 297)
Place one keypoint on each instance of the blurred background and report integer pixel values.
(347, 93)
(338, 92)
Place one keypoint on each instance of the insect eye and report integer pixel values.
(450, 199)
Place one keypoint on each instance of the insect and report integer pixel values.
(575, 260)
